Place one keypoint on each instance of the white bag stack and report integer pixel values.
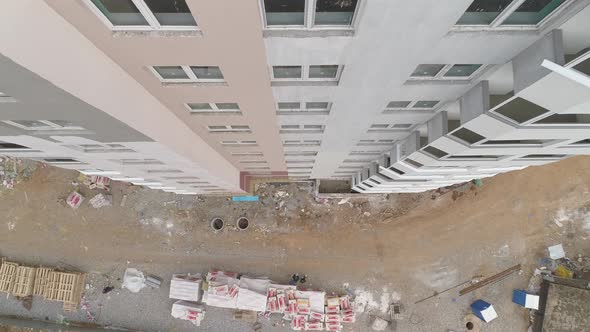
(186, 287)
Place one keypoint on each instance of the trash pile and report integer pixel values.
(95, 181)
(100, 200)
(306, 310)
(14, 170)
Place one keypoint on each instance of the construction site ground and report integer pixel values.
(382, 248)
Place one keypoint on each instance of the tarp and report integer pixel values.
(316, 299)
(252, 294)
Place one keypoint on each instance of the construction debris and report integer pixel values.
(192, 312)
(484, 311)
(491, 280)
(556, 252)
(75, 200)
(524, 299)
(133, 280)
(101, 200)
(153, 281)
(379, 324)
(95, 181)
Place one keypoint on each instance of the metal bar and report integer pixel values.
(493, 279)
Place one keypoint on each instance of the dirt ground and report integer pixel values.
(382, 248)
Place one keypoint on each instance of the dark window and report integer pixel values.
(11, 146)
(532, 12)
(544, 156)
(334, 12)
(467, 135)
(120, 12)
(285, 12)
(520, 110)
(483, 12)
(434, 151)
(565, 119)
(171, 12)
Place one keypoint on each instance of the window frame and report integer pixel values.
(305, 74)
(192, 78)
(50, 126)
(214, 109)
(148, 15)
(390, 127)
(302, 109)
(301, 128)
(496, 24)
(228, 129)
(309, 19)
(440, 75)
(411, 106)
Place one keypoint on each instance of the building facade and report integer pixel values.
(197, 96)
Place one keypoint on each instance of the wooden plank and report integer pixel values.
(41, 281)
(23, 281)
(493, 279)
(7, 275)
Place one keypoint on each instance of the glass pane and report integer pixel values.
(285, 12)
(207, 73)
(286, 71)
(171, 12)
(227, 106)
(316, 105)
(398, 104)
(200, 106)
(402, 125)
(379, 126)
(30, 123)
(435, 152)
(323, 71)
(521, 110)
(288, 106)
(120, 12)
(425, 104)
(427, 70)
(462, 70)
(171, 72)
(583, 66)
(468, 136)
(483, 12)
(334, 12)
(532, 12)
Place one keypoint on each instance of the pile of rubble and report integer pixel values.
(14, 170)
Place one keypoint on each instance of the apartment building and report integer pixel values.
(198, 96)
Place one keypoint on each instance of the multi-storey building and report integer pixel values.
(198, 96)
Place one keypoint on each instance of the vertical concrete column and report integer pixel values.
(475, 102)
(409, 145)
(437, 126)
(527, 67)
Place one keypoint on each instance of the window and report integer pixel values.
(43, 125)
(583, 67)
(434, 151)
(473, 157)
(467, 135)
(365, 153)
(413, 163)
(301, 128)
(145, 14)
(508, 12)
(323, 71)
(310, 14)
(329, 73)
(544, 156)
(301, 153)
(238, 154)
(252, 161)
(330, 12)
(372, 142)
(235, 142)
(535, 142)
(323, 107)
(399, 104)
(531, 12)
(420, 105)
(483, 12)
(188, 74)
(302, 142)
(228, 129)
(213, 107)
(61, 161)
(12, 146)
(520, 110)
(387, 127)
(442, 72)
(566, 119)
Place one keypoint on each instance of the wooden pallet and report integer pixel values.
(64, 287)
(23, 281)
(7, 274)
(41, 278)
